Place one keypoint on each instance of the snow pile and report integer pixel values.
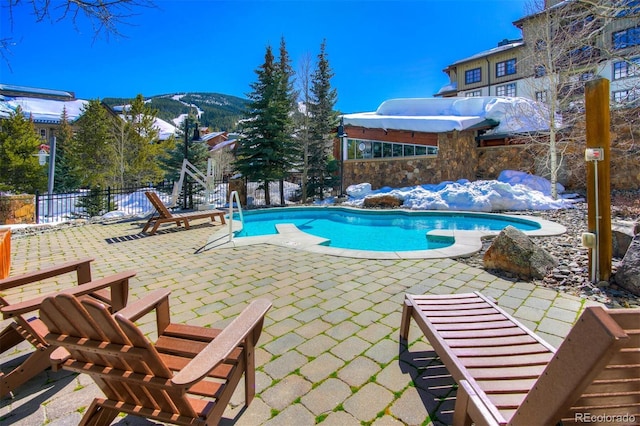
(437, 115)
(513, 190)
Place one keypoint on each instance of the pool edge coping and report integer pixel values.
(466, 243)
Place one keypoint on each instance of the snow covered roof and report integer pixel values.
(42, 110)
(14, 90)
(210, 136)
(165, 129)
(499, 48)
(439, 115)
(229, 143)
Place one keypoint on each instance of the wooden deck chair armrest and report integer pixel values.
(82, 267)
(157, 300)
(58, 357)
(473, 406)
(119, 284)
(250, 319)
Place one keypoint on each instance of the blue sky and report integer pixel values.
(378, 50)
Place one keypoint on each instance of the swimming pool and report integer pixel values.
(378, 230)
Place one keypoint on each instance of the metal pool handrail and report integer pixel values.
(234, 194)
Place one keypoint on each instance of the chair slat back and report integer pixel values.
(614, 393)
(594, 342)
(157, 203)
(99, 342)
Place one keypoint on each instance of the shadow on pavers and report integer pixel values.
(162, 231)
(22, 403)
(435, 385)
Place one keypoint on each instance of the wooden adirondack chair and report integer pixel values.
(507, 375)
(187, 377)
(165, 216)
(24, 325)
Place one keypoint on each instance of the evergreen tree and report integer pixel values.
(266, 152)
(290, 150)
(19, 142)
(197, 154)
(94, 151)
(137, 149)
(323, 122)
(66, 176)
(257, 152)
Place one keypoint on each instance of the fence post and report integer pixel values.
(108, 198)
(37, 207)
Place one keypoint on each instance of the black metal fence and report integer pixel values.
(117, 202)
(256, 194)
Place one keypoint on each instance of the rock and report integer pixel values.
(384, 201)
(628, 273)
(622, 233)
(513, 251)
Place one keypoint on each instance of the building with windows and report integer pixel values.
(42, 106)
(567, 44)
(409, 142)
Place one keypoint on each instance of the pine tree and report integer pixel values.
(267, 150)
(198, 152)
(324, 121)
(257, 153)
(287, 102)
(138, 151)
(66, 176)
(94, 151)
(19, 142)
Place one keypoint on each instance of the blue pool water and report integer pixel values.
(376, 230)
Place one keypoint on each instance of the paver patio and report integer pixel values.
(329, 352)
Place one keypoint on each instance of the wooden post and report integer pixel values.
(598, 123)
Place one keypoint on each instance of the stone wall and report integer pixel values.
(459, 157)
(15, 209)
(453, 162)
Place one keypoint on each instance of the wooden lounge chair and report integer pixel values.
(165, 216)
(112, 290)
(187, 377)
(507, 375)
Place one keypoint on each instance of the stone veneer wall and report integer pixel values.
(456, 159)
(17, 209)
(460, 158)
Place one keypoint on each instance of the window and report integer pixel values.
(506, 68)
(623, 69)
(623, 96)
(506, 90)
(473, 94)
(539, 71)
(361, 149)
(473, 76)
(541, 96)
(626, 38)
(43, 134)
(628, 7)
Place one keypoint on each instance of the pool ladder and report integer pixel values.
(234, 194)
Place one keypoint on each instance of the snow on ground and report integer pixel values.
(512, 190)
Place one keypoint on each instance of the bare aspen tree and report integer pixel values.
(566, 44)
(105, 17)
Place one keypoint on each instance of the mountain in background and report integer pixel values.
(217, 111)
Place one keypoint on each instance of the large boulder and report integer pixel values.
(628, 273)
(382, 201)
(514, 252)
(622, 233)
